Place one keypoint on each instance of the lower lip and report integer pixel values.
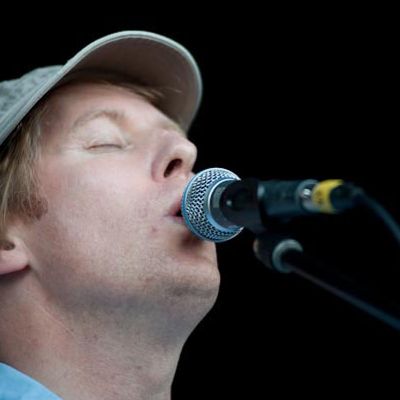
(178, 220)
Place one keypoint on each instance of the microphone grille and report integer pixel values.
(196, 207)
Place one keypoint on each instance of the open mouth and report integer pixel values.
(175, 212)
(177, 216)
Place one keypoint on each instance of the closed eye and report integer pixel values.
(106, 145)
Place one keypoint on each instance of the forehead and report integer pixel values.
(77, 103)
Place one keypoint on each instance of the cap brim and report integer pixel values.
(146, 57)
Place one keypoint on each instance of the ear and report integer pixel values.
(13, 256)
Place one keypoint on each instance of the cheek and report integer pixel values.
(93, 207)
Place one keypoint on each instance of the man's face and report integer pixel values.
(113, 169)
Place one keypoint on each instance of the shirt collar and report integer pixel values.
(16, 385)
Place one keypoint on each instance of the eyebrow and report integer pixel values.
(117, 117)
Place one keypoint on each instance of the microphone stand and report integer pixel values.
(286, 255)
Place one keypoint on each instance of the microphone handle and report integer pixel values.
(255, 204)
(252, 203)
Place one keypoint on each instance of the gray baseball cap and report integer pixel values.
(143, 56)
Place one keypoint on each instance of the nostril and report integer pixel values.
(174, 164)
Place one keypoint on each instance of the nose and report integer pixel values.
(176, 158)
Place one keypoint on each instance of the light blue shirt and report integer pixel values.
(15, 385)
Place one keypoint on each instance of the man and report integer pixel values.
(101, 283)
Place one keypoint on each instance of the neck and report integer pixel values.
(85, 357)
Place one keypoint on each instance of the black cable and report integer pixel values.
(379, 211)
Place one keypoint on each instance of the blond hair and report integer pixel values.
(21, 197)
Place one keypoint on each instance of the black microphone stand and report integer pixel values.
(286, 255)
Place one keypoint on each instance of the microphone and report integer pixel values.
(217, 204)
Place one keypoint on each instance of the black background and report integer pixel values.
(290, 94)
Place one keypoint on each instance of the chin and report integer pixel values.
(197, 286)
(192, 304)
(194, 289)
